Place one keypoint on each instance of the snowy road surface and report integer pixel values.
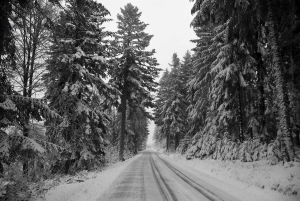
(150, 177)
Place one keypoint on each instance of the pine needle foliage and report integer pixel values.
(77, 68)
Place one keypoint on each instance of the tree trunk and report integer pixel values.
(1, 170)
(287, 151)
(123, 122)
(251, 133)
(297, 140)
(114, 129)
(168, 138)
(28, 77)
(241, 129)
(136, 144)
(176, 140)
(31, 70)
(261, 97)
(5, 9)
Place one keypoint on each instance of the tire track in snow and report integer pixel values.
(207, 193)
(163, 194)
(164, 188)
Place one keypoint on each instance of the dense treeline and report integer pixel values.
(70, 91)
(243, 80)
(172, 102)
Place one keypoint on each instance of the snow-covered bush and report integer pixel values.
(14, 186)
(208, 146)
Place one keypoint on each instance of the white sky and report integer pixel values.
(169, 22)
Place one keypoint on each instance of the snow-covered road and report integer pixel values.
(151, 177)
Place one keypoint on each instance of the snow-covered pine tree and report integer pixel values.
(136, 130)
(246, 22)
(136, 70)
(287, 148)
(199, 86)
(177, 108)
(186, 69)
(7, 115)
(185, 75)
(162, 96)
(233, 67)
(160, 102)
(76, 89)
(288, 26)
(232, 71)
(138, 125)
(157, 137)
(171, 103)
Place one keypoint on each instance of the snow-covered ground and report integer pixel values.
(253, 181)
(89, 190)
(247, 181)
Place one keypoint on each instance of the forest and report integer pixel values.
(240, 89)
(69, 88)
(75, 96)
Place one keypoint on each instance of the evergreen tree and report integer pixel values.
(162, 96)
(177, 108)
(186, 74)
(199, 86)
(159, 111)
(136, 70)
(249, 38)
(138, 127)
(172, 102)
(136, 130)
(76, 89)
(280, 82)
(186, 70)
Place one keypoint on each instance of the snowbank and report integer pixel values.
(90, 189)
(247, 181)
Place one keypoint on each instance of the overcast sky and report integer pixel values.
(169, 22)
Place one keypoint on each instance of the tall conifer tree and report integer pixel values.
(76, 89)
(171, 103)
(136, 68)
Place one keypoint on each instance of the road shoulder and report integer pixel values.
(91, 189)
